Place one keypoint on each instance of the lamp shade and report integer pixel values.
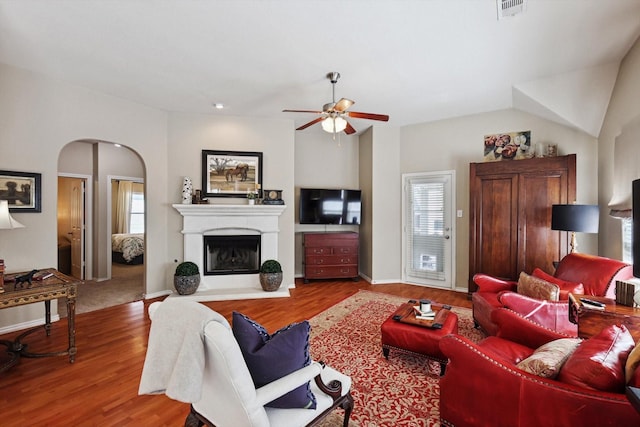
(334, 124)
(579, 218)
(6, 220)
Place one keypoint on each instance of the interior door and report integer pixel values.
(71, 225)
(76, 217)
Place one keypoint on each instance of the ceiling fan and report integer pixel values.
(333, 115)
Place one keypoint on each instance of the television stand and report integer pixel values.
(330, 255)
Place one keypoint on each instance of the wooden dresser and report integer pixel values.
(330, 255)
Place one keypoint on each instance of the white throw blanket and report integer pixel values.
(175, 357)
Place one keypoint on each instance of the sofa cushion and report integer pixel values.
(270, 357)
(598, 363)
(537, 288)
(633, 361)
(547, 359)
(566, 287)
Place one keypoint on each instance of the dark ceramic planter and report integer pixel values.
(186, 285)
(270, 281)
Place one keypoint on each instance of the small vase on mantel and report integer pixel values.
(187, 191)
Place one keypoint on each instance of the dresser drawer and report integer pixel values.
(332, 260)
(318, 272)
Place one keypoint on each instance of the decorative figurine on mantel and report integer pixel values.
(187, 191)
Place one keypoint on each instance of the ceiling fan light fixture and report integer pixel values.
(334, 125)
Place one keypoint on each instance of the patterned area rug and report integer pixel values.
(401, 391)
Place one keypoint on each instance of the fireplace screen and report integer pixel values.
(231, 254)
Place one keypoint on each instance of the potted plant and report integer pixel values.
(270, 275)
(252, 196)
(187, 278)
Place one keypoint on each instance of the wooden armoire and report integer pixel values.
(510, 215)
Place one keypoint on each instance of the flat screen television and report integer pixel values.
(330, 206)
(635, 212)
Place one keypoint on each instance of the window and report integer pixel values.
(627, 238)
(136, 214)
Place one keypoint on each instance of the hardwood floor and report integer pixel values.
(100, 388)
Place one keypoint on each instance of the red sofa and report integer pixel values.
(483, 387)
(598, 276)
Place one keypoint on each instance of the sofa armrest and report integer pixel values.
(514, 327)
(550, 314)
(281, 386)
(488, 283)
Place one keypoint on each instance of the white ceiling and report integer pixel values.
(417, 61)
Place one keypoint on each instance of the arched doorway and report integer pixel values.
(94, 164)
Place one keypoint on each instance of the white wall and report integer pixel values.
(453, 144)
(322, 162)
(38, 117)
(189, 134)
(624, 107)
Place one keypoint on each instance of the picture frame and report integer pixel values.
(231, 173)
(508, 146)
(23, 190)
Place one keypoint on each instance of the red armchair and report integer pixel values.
(482, 386)
(597, 275)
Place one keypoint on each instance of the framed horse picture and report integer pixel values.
(231, 173)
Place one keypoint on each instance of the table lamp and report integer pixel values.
(575, 218)
(6, 223)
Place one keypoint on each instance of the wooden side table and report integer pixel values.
(56, 286)
(591, 321)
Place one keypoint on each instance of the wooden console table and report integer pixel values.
(57, 286)
(591, 321)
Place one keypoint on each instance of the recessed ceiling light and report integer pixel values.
(218, 105)
(117, 145)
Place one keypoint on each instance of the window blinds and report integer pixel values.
(425, 238)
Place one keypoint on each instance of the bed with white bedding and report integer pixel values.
(127, 248)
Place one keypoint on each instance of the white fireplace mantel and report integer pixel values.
(199, 220)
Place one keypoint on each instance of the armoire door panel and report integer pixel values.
(498, 214)
(542, 245)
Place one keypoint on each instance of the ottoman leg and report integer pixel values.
(385, 352)
(443, 366)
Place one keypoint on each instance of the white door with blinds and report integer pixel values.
(428, 236)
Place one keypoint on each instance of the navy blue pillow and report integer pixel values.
(270, 357)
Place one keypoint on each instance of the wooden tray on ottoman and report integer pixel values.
(407, 314)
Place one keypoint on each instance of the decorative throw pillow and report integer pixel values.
(270, 357)
(633, 361)
(547, 360)
(598, 363)
(537, 288)
(565, 286)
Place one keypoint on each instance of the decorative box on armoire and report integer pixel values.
(510, 215)
(330, 255)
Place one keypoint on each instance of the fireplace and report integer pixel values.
(255, 227)
(237, 254)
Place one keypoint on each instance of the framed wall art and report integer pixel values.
(508, 146)
(231, 173)
(22, 190)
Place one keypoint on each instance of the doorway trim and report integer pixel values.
(88, 220)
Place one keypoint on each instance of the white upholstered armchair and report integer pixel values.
(194, 357)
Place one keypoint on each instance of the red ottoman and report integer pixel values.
(417, 340)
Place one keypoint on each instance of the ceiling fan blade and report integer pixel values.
(349, 129)
(311, 123)
(370, 116)
(302, 111)
(343, 104)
